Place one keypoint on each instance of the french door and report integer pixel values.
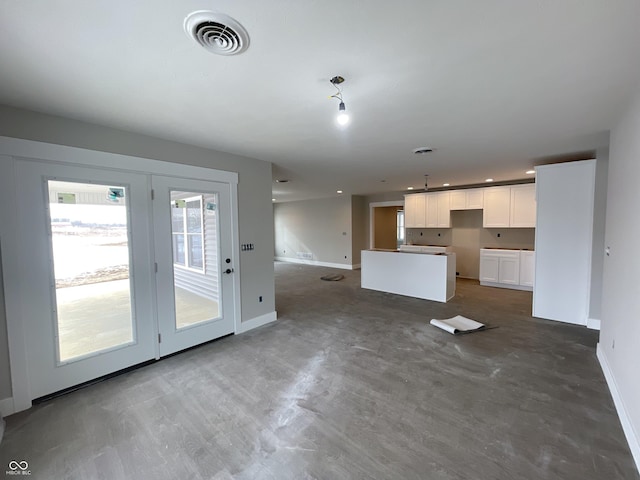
(194, 261)
(118, 268)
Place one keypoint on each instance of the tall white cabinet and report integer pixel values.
(564, 236)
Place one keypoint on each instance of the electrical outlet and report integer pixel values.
(613, 344)
(260, 299)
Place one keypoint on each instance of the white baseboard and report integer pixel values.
(627, 427)
(593, 323)
(257, 322)
(505, 285)
(7, 407)
(343, 266)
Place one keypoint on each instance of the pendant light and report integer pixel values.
(343, 117)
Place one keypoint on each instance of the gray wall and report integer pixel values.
(620, 328)
(321, 227)
(359, 216)
(5, 373)
(254, 194)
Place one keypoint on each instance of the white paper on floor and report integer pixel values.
(458, 324)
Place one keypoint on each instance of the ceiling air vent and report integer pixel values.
(216, 32)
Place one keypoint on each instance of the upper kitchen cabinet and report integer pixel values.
(510, 207)
(438, 213)
(523, 206)
(471, 199)
(497, 201)
(414, 210)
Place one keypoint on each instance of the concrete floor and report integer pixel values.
(348, 383)
(97, 316)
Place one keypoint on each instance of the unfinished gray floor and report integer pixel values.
(348, 383)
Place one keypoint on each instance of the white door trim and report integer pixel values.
(17, 147)
(30, 149)
(393, 203)
(9, 242)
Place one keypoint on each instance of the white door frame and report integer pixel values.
(393, 203)
(9, 242)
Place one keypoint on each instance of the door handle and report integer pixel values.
(228, 271)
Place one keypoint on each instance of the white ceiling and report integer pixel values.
(495, 86)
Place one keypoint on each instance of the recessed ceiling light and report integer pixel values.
(338, 191)
(409, 188)
(422, 150)
(446, 184)
(530, 172)
(273, 199)
(489, 180)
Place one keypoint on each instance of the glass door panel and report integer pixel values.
(90, 246)
(194, 232)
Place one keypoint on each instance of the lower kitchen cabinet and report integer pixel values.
(527, 267)
(506, 268)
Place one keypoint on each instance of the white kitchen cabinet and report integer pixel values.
(496, 206)
(414, 210)
(475, 199)
(523, 206)
(438, 213)
(444, 209)
(564, 241)
(471, 199)
(431, 202)
(489, 269)
(502, 268)
(509, 268)
(527, 268)
(509, 207)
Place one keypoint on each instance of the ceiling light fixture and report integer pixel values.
(422, 150)
(530, 172)
(409, 188)
(446, 184)
(343, 116)
(338, 191)
(489, 180)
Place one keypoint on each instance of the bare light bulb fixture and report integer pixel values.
(343, 116)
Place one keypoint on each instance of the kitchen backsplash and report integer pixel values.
(467, 237)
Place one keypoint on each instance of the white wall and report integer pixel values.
(599, 223)
(619, 347)
(255, 213)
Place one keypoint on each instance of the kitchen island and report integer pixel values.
(421, 275)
